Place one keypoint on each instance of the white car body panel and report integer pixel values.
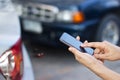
(10, 33)
(9, 28)
(28, 72)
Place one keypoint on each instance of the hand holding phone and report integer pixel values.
(71, 41)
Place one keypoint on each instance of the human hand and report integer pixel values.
(104, 50)
(84, 58)
(95, 65)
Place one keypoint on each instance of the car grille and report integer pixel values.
(41, 12)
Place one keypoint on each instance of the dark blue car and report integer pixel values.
(43, 21)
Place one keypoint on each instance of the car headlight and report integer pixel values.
(11, 63)
(18, 8)
(70, 16)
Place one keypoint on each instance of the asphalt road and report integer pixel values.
(59, 64)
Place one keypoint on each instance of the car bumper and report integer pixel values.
(52, 31)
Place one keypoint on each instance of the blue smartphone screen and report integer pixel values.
(71, 41)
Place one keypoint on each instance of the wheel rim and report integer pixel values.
(111, 32)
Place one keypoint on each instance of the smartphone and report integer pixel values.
(71, 41)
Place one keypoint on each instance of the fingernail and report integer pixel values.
(77, 36)
(70, 48)
(86, 41)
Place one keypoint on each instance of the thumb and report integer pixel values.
(75, 51)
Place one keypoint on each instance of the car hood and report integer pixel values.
(58, 3)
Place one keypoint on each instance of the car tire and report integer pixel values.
(109, 29)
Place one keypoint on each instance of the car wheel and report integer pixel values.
(109, 29)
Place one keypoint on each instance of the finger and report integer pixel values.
(78, 37)
(96, 56)
(85, 42)
(100, 56)
(99, 45)
(96, 51)
(74, 51)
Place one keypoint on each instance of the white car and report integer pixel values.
(14, 61)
